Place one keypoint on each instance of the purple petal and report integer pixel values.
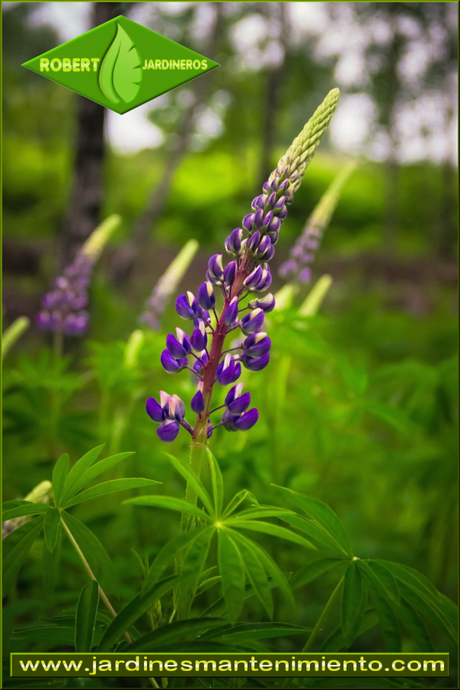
(255, 363)
(177, 350)
(154, 410)
(240, 404)
(168, 432)
(197, 403)
(247, 420)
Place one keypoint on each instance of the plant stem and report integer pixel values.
(91, 574)
(321, 620)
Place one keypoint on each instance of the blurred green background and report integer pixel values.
(359, 404)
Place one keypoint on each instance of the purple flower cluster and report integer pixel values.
(297, 267)
(251, 247)
(63, 309)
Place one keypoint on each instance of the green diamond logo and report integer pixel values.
(120, 65)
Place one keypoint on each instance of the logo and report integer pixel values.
(121, 65)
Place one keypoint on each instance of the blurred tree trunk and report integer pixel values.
(83, 212)
(124, 259)
(275, 78)
(391, 83)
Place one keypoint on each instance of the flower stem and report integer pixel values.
(91, 574)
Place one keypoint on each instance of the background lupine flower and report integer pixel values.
(297, 267)
(251, 247)
(42, 493)
(167, 285)
(63, 309)
(13, 333)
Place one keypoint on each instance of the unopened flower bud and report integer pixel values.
(231, 313)
(199, 337)
(233, 241)
(252, 322)
(257, 344)
(206, 296)
(187, 306)
(197, 403)
(215, 269)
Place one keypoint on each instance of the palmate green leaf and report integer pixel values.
(192, 567)
(51, 526)
(91, 473)
(120, 73)
(268, 528)
(217, 483)
(237, 500)
(354, 598)
(387, 617)
(323, 516)
(270, 566)
(134, 610)
(167, 553)
(418, 582)
(60, 471)
(231, 569)
(219, 607)
(336, 641)
(207, 584)
(85, 618)
(110, 487)
(311, 571)
(170, 503)
(421, 594)
(256, 574)
(25, 508)
(262, 511)
(50, 564)
(94, 552)
(428, 608)
(382, 578)
(20, 541)
(51, 634)
(72, 482)
(194, 481)
(414, 625)
(316, 532)
(254, 631)
(171, 634)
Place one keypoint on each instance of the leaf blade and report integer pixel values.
(85, 618)
(60, 472)
(109, 487)
(231, 570)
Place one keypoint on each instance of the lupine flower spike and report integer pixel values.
(167, 285)
(63, 309)
(251, 247)
(297, 267)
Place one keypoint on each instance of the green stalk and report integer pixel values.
(87, 567)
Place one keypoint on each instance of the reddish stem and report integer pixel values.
(200, 430)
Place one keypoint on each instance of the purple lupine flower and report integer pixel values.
(169, 413)
(257, 344)
(251, 246)
(252, 322)
(236, 401)
(188, 306)
(228, 371)
(63, 309)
